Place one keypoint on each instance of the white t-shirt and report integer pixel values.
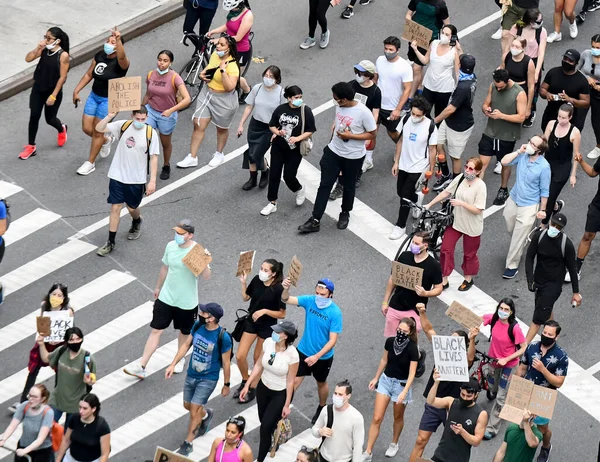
(275, 376)
(130, 162)
(359, 120)
(440, 72)
(414, 157)
(392, 76)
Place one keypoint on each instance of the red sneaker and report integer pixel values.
(62, 137)
(27, 152)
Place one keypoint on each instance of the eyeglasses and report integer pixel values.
(47, 38)
(271, 359)
(236, 420)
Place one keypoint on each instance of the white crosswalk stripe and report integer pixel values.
(8, 189)
(29, 224)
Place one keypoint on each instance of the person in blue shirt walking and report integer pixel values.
(3, 226)
(322, 326)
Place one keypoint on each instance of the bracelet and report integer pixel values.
(227, 384)
(385, 304)
(53, 97)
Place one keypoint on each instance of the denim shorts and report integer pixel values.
(198, 391)
(164, 125)
(96, 106)
(392, 388)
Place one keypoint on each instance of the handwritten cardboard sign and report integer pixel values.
(164, 455)
(463, 315)
(60, 321)
(124, 94)
(406, 276)
(523, 394)
(542, 401)
(519, 392)
(197, 260)
(43, 325)
(414, 32)
(295, 271)
(450, 357)
(245, 262)
(512, 414)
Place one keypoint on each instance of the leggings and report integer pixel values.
(405, 188)
(194, 14)
(556, 187)
(317, 13)
(29, 383)
(37, 103)
(438, 100)
(270, 404)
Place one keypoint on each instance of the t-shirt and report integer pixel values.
(105, 69)
(289, 119)
(429, 13)
(555, 360)
(274, 376)
(475, 194)
(517, 448)
(406, 299)
(2, 217)
(319, 323)
(70, 386)
(573, 85)
(358, 119)
(550, 264)
(462, 99)
(414, 157)
(180, 288)
(267, 297)
(32, 424)
(162, 90)
(130, 162)
(501, 346)
(217, 81)
(590, 69)
(264, 101)
(398, 366)
(205, 362)
(370, 96)
(85, 438)
(392, 76)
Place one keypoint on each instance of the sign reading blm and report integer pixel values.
(124, 94)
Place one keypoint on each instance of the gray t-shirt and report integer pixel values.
(265, 101)
(358, 119)
(585, 66)
(32, 424)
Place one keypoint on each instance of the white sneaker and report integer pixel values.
(498, 34)
(392, 450)
(218, 159)
(367, 165)
(594, 153)
(86, 168)
(300, 197)
(498, 168)
(105, 149)
(179, 366)
(366, 457)
(268, 209)
(396, 233)
(135, 370)
(416, 213)
(568, 276)
(573, 30)
(554, 37)
(188, 161)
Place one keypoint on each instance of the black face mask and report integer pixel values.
(567, 66)
(401, 336)
(547, 341)
(465, 402)
(75, 347)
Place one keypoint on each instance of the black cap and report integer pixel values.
(559, 219)
(184, 226)
(472, 384)
(467, 64)
(285, 326)
(572, 54)
(213, 309)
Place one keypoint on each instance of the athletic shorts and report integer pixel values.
(545, 298)
(319, 370)
(592, 223)
(432, 418)
(412, 56)
(492, 147)
(198, 391)
(163, 315)
(454, 142)
(96, 106)
(261, 330)
(392, 387)
(122, 193)
(164, 125)
(390, 125)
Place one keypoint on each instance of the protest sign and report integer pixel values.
(164, 455)
(43, 325)
(295, 271)
(542, 401)
(124, 94)
(60, 321)
(417, 33)
(512, 414)
(245, 262)
(463, 315)
(450, 357)
(197, 260)
(406, 276)
(523, 394)
(519, 392)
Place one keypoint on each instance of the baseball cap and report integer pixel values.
(559, 219)
(328, 283)
(366, 66)
(472, 386)
(572, 54)
(184, 226)
(467, 64)
(212, 308)
(285, 326)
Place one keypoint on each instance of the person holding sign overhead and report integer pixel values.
(520, 441)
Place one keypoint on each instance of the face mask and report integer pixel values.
(416, 120)
(465, 402)
(567, 66)
(338, 401)
(55, 301)
(297, 102)
(515, 51)
(536, 25)
(362, 78)
(268, 81)
(179, 239)
(264, 276)
(530, 150)
(415, 249)
(109, 48)
(162, 72)
(139, 125)
(75, 347)
(220, 54)
(470, 176)
(547, 341)
(53, 44)
(322, 302)
(553, 232)
(401, 336)
(595, 51)
(444, 40)
(503, 315)
(275, 337)
(389, 56)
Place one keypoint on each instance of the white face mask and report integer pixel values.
(52, 45)
(515, 51)
(530, 150)
(360, 78)
(416, 120)
(503, 314)
(268, 81)
(263, 276)
(553, 232)
(444, 40)
(338, 401)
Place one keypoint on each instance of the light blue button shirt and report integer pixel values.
(533, 180)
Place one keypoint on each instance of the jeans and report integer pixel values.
(286, 161)
(317, 12)
(197, 14)
(499, 380)
(37, 103)
(405, 188)
(270, 404)
(471, 244)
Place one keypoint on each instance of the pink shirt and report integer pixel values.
(162, 90)
(532, 48)
(501, 345)
(231, 456)
(233, 27)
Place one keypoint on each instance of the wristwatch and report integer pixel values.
(227, 384)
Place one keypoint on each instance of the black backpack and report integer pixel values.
(8, 218)
(431, 129)
(538, 33)
(222, 333)
(86, 359)
(329, 423)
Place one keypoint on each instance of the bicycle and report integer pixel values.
(27, 457)
(483, 371)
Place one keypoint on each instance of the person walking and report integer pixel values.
(513, 13)
(520, 441)
(232, 448)
(566, 7)
(349, 10)
(587, 7)
(49, 78)
(175, 297)
(201, 12)
(521, 70)
(317, 13)
(589, 65)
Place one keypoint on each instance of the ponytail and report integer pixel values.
(62, 36)
(277, 269)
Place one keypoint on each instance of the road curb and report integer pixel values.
(86, 50)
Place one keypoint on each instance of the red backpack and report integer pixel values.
(56, 432)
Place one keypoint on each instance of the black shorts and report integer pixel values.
(432, 418)
(121, 193)
(244, 57)
(319, 370)
(412, 56)
(491, 147)
(163, 314)
(545, 298)
(592, 223)
(261, 330)
(390, 125)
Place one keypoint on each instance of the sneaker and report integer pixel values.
(105, 249)
(249, 396)
(406, 107)
(187, 162)
(312, 225)
(337, 192)
(573, 30)
(364, 2)
(179, 366)
(544, 455)
(236, 393)
(343, 220)
(559, 206)
(264, 179)
(528, 122)
(27, 152)
(367, 165)
(593, 7)
(86, 168)
(392, 450)
(397, 233)
(498, 168)
(510, 273)
(165, 172)
(317, 414)
(134, 231)
(61, 140)
(135, 370)
(268, 209)
(594, 153)
(568, 276)
(300, 197)
(218, 159)
(324, 39)
(554, 37)
(347, 13)
(498, 34)
(13, 407)
(488, 435)
(580, 18)
(308, 43)
(105, 149)
(421, 363)
(501, 196)
(442, 182)
(185, 449)
(366, 457)
(205, 424)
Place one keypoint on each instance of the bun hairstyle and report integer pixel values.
(568, 108)
(291, 91)
(312, 454)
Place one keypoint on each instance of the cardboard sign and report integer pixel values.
(523, 394)
(463, 315)
(512, 414)
(164, 455)
(450, 357)
(43, 325)
(60, 321)
(414, 32)
(406, 276)
(245, 262)
(295, 271)
(196, 260)
(519, 392)
(124, 94)
(542, 401)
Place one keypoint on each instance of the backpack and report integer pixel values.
(538, 33)
(329, 423)
(8, 218)
(431, 129)
(86, 361)
(563, 244)
(222, 333)
(149, 133)
(56, 432)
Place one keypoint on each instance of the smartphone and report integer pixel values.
(76, 104)
(556, 98)
(453, 40)
(452, 422)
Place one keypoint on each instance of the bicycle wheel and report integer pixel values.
(190, 73)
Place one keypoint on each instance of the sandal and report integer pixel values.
(466, 285)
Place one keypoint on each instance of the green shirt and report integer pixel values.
(70, 386)
(506, 102)
(180, 288)
(517, 449)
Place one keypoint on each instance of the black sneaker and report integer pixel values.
(343, 220)
(236, 393)
(317, 414)
(544, 455)
(185, 449)
(251, 183)
(559, 206)
(264, 179)
(337, 192)
(311, 226)
(135, 231)
(501, 196)
(594, 6)
(347, 13)
(205, 424)
(580, 18)
(357, 183)
(165, 172)
(528, 123)
(421, 364)
(442, 182)
(249, 396)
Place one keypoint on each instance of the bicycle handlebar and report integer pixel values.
(26, 456)
(432, 213)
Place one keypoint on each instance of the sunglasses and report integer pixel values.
(271, 359)
(471, 169)
(237, 421)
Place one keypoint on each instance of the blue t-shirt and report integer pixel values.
(205, 362)
(2, 216)
(555, 360)
(319, 323)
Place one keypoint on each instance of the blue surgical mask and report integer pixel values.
(322, 302)
(109, 48)
(179, 239)
(220, 54)
(163, 72)
(297, 102)
(464, 76)
(139, 125)
(553, 232)
(595, 51)
(415, 249)
(503, 315)
(275, 337)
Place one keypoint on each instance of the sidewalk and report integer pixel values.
(86, 22)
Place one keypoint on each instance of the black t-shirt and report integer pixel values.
(462, 99)
(405, 299)
(527, 4)
(430, 13)
(105, 69)
(444, 388)
(289, 120)
(85, 438)
(573, 85)
(370, 97)
(398, 366)
(596, 199)
(264, 297)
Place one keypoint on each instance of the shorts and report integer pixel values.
(319, 370)
(492, 147)
(244, 57)
(393, 317)
(412, 56)
(261, 330)
(455, 142)
(163, 314)
(512, 16)
(432, 418)
(545, 298)
(393, 387)
(219, 107)
(198, 391)
(592, 222)
(122, 193)
(96, 106)
(164, 125)
(540, 420)
(390, 125)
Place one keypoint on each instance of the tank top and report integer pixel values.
(440, 73)
(233, 26)
(47, 71)
(231, 456)
(453, 447)
(517, 70)
(560, 154)
(506, 102)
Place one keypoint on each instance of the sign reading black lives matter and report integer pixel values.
(450, 356)
(60, 321)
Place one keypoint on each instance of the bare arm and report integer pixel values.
(500, 453)
(522, 370)
(424, 58)
(582, 102)
(486, 103)
(162, 275)
(530, 84)
(289, 383)
(122, 58)
(105, 447)
(447, 112)
(2, 226)
(587, 168)
(42, 435)
(532, 440)
(540, 60)
(475, 440)
(333, 338)
(576, 140)
(36, 52)
(245, 26)
(442, 196)
(518, 353)
(102, 125)
(85, 79)
(380, 368)
(245, 115)
(218, 30)
(508, 158)
(212, 457)
(66, 443)
(405, 94)
(432, 156)
(544, 93)
(425, 322)
(519, 117)
(64, 69)
(285, 295)
(14, 423)
(229, 81)
(185, 102)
